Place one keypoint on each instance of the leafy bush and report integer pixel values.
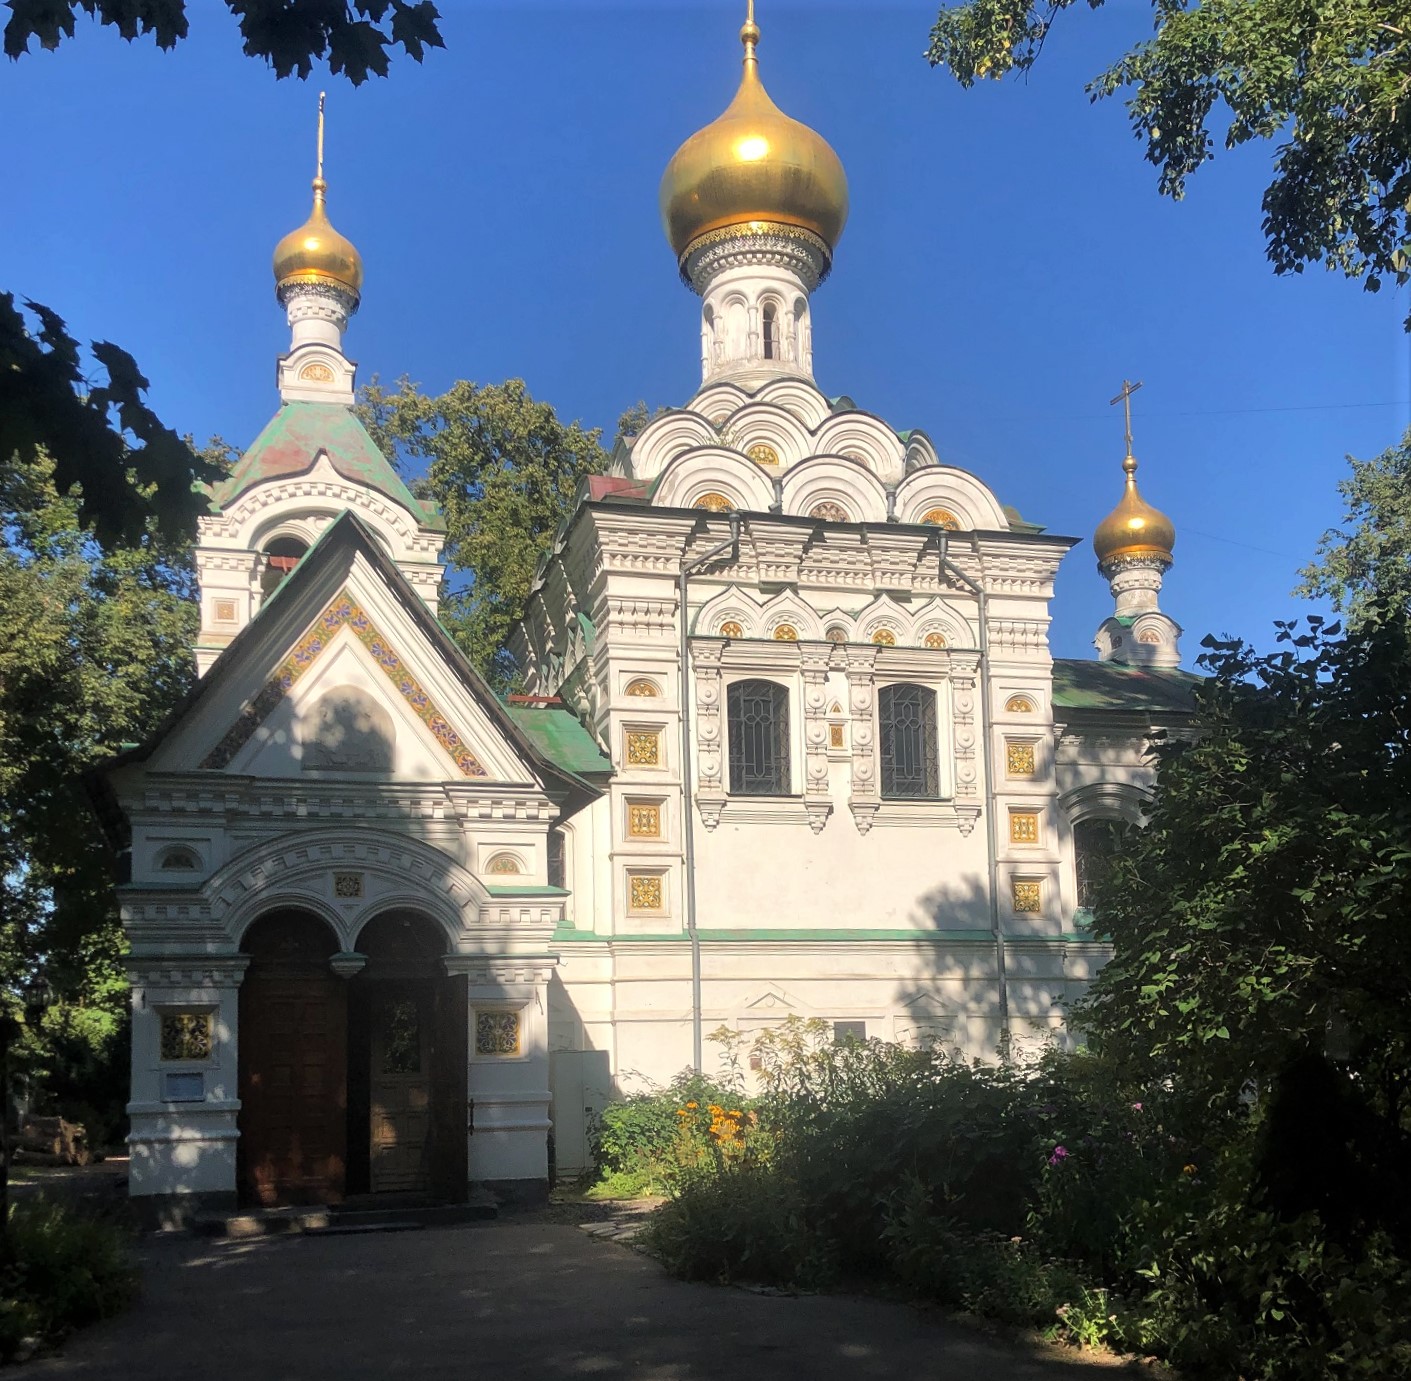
(1050, 1195)
(637, 1143)
(61, 1270)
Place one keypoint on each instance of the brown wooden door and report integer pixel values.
(293, 1066)
(450, 1103)
(401, 1090)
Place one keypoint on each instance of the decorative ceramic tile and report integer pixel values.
(641, 686)
(644, 891)
(1023, 827)
(942, 517)
(342, 613)
(836, 634)
(835, 735)
(935, 640)
(225, 611)
(347, 886)
(763, 454)
(713, 503)
(786, 633)
(643, 748)
(830, 512)
(1028, 896)
(884, 637)
(1019, 759)
(186, 1035)
(503, 864)
(644, 821)
(497, 1033)
(1019, 704)
(731, 629)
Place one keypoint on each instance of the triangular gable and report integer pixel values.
(344, 612)
(347, 591)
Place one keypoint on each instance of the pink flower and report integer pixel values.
(1060, 1154)
(1136, 1107)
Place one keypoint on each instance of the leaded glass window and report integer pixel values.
(1095, 844)
(758, 715)
(908, 741)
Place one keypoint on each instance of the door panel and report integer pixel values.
(450, 1079)
(401, 1091)
(293, 1060)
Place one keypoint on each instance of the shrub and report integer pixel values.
(1051, 1195)
(63, 1270)
(637, 1142)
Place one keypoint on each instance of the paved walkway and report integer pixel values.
(495, 1301)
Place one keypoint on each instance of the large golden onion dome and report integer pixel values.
(1134, 527)
(753, 166)
(317, 253)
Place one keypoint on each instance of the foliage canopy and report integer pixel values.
(505, 471)
(1364, 567)
(1330, 79)
(355, 36)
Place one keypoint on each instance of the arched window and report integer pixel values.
(556, 860)
(281, 556)
(907, 724)
(1095, 844)
(769, 324)
(179, 860)
(757, 715)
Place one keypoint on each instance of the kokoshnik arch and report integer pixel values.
(791, 742)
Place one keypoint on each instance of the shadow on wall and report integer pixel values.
(346, 730)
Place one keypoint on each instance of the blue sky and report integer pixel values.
(1007, 262)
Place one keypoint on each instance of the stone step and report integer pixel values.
(362, 1216)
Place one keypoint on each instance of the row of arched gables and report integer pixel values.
(787, 448)
(885, 622)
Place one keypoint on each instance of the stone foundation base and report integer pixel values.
(513, 1194)
(176, 1212)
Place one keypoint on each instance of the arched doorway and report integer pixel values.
(293, 1064)
(407, 1108)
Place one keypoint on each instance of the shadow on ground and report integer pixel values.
(515, 1298)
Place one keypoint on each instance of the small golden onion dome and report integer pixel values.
(317, 253)
(1134, 527)
(753, 165)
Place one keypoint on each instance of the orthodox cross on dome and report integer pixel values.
(1125, 398)
(322, 97)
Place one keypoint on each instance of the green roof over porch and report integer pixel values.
(557, 734)
(1087, 685)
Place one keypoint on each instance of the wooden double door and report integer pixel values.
(350, 1086)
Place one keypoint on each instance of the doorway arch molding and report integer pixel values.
(295, 872)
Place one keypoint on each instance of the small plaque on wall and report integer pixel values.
(183, 1086)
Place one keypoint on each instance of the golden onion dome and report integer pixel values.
(317, 253)
(753, 165)
(1134, 527)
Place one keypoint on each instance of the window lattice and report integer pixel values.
(907, 716)
(1095, 845)
(758, 719)
(186, 1035)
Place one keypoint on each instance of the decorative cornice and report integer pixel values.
(747, 246)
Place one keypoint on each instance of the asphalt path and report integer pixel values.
(507, 1299)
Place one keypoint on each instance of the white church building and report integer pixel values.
(790, 742)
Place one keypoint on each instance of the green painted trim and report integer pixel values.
(567, 935)
(805, 935)
(526, 891)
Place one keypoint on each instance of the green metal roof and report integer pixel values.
(558, 735)
(291, 443)
(1085, 685)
